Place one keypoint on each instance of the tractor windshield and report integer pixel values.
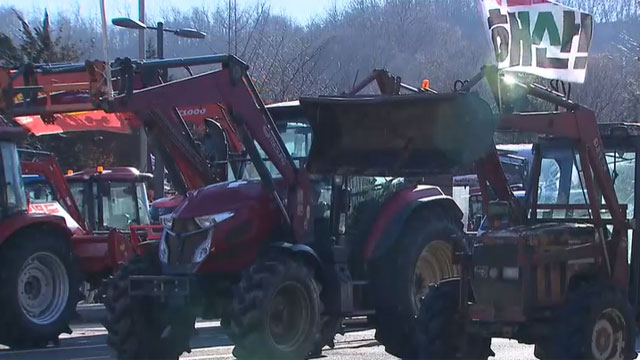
(297, 138)
(124, 204)
(561, 190)
(14, 199)
(39, 191)
(561, 183)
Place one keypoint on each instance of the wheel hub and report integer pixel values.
(434, 264)
(43, 287)
(607, 339)
(289, 316)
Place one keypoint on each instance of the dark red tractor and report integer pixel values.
(39, 271)
(280, 255)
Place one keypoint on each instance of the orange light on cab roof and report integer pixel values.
(426, 84)
(100, 169)
(69, 172)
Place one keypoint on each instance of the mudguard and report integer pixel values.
(395, 212)
(306, 252)
(21, 221)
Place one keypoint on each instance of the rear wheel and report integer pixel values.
(441, 331)
(39, 291)
(422, 257)
(275, 310)
(143, 327)
(596, 323)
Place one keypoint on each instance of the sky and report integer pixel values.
(300, 10)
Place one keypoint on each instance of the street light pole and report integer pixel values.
(158, 169)
(160, 39)
(144, 146)
(190, 33)
(141, 47)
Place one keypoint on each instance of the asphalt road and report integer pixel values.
(87, 342)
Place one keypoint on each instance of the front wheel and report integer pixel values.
(275, 312)
(441, 330)
(39, 289)
(143, 327)
(402, 277)
(597, 323)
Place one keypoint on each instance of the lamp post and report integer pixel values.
(189, 33)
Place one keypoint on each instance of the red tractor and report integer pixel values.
(558, 269)
(281, 256)
(106, 209)
(39, 271)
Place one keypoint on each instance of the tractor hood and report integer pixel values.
(401, 135)
(222, 197)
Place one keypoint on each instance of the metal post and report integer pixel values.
(141, 48)
(105, 47)
(158, 170)
(160, 40)
(144, 145)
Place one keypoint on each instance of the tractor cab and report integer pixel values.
(12, 196)
(112, 198)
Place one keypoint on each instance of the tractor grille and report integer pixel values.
(181, 225)
(491, 288)
(182, 245)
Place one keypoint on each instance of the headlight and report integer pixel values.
(166, 221)
(208, 221)
(493, 273)
(163, 251)
(203, 250)
(510, 273)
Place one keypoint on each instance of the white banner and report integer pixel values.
(539, 37)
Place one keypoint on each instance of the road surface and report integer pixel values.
(88, 342)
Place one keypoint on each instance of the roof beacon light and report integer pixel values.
(100, 169)
(426, 84)
(69, 172)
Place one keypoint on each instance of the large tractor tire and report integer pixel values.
(143, 327)
(40, 289)
(421, 257)
(330, 325)
(597, 322)
(275, 310)
(440, 331)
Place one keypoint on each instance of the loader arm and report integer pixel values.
(66, 89)
(231, 87)
(578, 124)
(157, 108)
(45, 164)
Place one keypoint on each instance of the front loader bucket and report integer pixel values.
(405, 135)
